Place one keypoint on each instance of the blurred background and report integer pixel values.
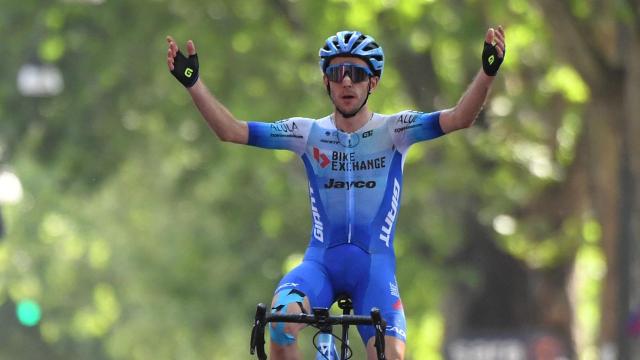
(128, 231)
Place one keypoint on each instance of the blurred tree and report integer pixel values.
(601, 40)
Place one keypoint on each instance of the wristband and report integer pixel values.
(185, 69)
(490, 59)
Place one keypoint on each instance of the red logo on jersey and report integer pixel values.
(397, 305)
(321, 158)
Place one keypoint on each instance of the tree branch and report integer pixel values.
(292, 18)
(634, 7)
(575, 42)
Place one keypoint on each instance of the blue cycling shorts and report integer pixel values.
(368, 279)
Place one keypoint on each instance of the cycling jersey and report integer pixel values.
(355, 183)
(355, 179)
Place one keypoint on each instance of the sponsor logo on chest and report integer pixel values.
(346, 161)
(358, 184)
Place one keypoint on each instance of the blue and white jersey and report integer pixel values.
(355, 179)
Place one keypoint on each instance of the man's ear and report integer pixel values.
(373, 83)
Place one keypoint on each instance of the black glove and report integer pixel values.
(185, 69)
(490, 59)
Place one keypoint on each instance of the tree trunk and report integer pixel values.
(630, 222)
(511, 300)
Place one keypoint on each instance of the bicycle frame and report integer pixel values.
(321, 319)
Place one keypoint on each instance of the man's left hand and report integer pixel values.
(494, 50)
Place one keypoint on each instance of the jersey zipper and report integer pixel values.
(350, 195)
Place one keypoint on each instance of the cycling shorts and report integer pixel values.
(368, 279)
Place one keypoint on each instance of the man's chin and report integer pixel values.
(350, 112)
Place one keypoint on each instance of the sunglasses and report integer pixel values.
(357, 73)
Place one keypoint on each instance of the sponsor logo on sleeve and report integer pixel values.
(285, 128)
(407, 121)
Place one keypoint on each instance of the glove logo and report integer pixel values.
(185, 69)
(490, 59)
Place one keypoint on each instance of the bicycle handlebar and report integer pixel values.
(312, 319)
(321, 319)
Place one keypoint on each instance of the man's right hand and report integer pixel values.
(183, 68)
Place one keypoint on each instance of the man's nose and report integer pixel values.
(346, 80)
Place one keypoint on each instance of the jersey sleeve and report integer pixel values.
(410, 127)
(289, 134)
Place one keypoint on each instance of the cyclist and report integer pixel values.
(354, 160)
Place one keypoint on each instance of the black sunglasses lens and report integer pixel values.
(358, 74)
(335, 74)
(355, 73)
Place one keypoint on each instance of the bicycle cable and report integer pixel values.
(315, 345)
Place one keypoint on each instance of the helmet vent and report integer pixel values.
(371, 46)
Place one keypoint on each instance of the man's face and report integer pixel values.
(347, 95)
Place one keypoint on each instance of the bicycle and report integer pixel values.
(324, 322)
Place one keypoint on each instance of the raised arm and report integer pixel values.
(217, 116)
(468, 107)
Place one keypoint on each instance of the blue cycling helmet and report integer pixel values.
(353, 43)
